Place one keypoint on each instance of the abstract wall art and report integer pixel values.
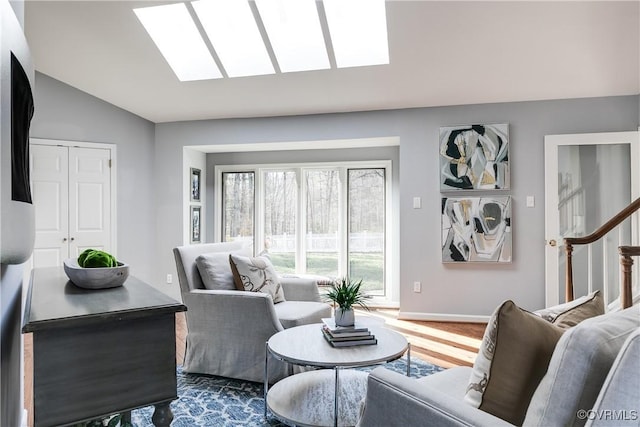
(474, 157)
(476, 229)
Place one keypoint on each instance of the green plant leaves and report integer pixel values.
(346, 293)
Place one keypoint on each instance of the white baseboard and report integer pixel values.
(443, 317)
(25, 418)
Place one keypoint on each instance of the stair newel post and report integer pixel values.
(626, 298)
(569, 272)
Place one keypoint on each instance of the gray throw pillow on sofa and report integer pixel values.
(215, 271)
(569, 314)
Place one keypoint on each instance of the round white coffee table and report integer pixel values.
(328, 396)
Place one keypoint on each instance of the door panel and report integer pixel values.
(49, 177)
(90, 201)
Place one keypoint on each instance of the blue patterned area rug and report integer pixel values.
(210, 401)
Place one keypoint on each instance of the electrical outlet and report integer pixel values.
(417, 287)
(169, 278)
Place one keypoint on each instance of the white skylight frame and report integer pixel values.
(235, 36)
(358, 31)
(176, 35)
(294, 30)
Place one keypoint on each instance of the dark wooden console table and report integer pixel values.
(99, 352)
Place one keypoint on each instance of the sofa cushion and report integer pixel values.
(618, 403)
(296, 313)
(215, 271)
(578, 368)
(256, 274)
(452, 381)
(513, 357)
(569, 314)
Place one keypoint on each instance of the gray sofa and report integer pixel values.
(595, 368)
(228, 329)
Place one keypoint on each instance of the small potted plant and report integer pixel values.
(345, 293)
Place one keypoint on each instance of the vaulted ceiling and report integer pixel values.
(441, 53)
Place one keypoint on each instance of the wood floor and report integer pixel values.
(445, 344)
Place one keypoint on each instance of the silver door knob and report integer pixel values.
(553, 243)
(64, 239)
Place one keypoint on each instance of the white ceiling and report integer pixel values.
(441, 53)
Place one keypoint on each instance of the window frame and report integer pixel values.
(343, 226)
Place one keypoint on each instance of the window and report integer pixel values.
(238, 206)
(367, 226)
(324, 219)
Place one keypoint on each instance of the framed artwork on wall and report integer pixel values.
(195, 224)
(195, 185)
(474, 157)
(476, 229)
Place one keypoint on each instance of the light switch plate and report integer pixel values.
(531, 201)
(417, 203)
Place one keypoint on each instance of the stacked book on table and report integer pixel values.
(347, 336)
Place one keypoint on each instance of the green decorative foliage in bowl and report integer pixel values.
(95, 269)
(93, 258)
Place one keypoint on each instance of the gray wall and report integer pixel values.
(454, 289)
(62, 112)
(11, 373)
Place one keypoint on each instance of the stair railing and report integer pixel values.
(569, 242)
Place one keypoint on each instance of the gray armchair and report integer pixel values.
(227, 329)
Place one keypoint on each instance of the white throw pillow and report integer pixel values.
(256, 275)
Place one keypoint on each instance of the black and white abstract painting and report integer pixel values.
(476, 229)
(474, 157)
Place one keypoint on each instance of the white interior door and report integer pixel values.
(73, 197)
(89, 200)
(588, 179)
(50, 184)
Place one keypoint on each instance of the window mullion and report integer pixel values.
(301, 223)
(343, 224)
(259, 212)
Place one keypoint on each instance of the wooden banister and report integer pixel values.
(626, 252)
(569, 242)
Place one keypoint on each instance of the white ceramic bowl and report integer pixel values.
(96, 278)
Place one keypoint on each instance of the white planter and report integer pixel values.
(344, 318)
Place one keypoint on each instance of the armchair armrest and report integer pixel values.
(396, 400)
(221, 307)
(300, 289)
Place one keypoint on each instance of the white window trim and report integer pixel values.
(258, 169)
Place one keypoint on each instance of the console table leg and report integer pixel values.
(162, 416)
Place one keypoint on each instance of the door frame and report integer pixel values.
(551, 144)
(112, 151)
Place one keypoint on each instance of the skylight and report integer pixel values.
(233, 32)
(294, 30)
(179, 41)
(256, 37)
(358, 32)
